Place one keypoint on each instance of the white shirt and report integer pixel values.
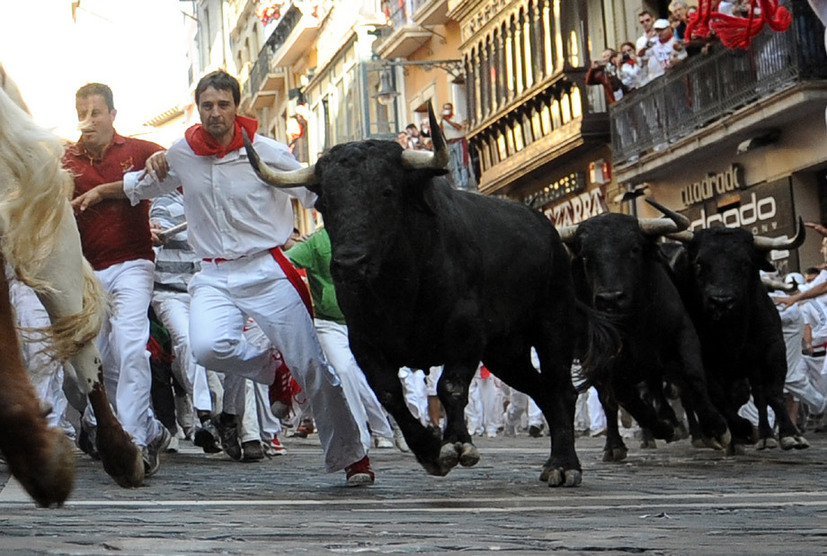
(230, 212)
(659, 56)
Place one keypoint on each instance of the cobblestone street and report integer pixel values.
(674, 500)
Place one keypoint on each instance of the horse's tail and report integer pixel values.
(35, 190)
(70, 333)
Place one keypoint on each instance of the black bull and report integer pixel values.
(427, 275)
(619, 271)
(740, 329)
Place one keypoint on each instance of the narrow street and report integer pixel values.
(674, 500)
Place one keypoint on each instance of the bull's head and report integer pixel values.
(725, 264)
(613, 254)
(368, 193)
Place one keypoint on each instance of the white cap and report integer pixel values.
(661, 24)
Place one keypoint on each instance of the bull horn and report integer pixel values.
(292, 178)
(423, 160)
(684, 236)
(763, 243)
(567, 233)
(674, 221)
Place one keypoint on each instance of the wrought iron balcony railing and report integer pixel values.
(703, 89)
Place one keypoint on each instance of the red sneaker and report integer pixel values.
(276, 448)
(360, 473)
(283, 389)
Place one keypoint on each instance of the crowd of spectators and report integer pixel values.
(662, 45)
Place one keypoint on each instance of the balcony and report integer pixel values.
(406, 35)
(558, 122)
(265, 82)
(295, 34)
(430, 12)
(729, 94)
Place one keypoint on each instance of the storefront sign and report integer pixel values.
(765, 209)
(577, 208)
(712, 185)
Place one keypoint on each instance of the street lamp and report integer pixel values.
(386, 93)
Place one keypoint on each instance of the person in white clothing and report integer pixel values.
(662, 51)
(237, 225)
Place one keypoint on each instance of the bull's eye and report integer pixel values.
(387, 192)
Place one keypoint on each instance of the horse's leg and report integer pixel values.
(40, 457)
(68, 300)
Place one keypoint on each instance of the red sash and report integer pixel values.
(294, 277)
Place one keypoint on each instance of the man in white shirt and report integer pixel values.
(237, 226)
(661, 53)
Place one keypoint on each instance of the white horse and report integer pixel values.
(40, 240)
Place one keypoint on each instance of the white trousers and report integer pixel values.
(173, 309)
(522, 412)
(484, 412)
(368, 412)
(416, 393)
(224, 294)
(46, 373)
(122, 344)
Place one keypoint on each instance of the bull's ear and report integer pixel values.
(420, 194)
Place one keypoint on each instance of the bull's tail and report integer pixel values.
(599, 344)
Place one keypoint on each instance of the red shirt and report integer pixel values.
(112, 231)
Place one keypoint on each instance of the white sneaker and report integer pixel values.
(382, 442)
(174, 445)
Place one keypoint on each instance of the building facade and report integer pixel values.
(736, 138)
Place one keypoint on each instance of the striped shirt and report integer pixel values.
(175, 261)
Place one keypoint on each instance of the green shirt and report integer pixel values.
(313, 256)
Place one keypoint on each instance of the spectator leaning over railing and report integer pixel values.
(658, 53)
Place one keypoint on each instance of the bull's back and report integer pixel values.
(514, 253)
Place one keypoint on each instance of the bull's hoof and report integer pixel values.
(722, 442)
(434, 469)
(801, 443)
(768, 443)
(469, 455)
(736, 450)
(699, 442)
(648, 444)
(614, 454)
(449, 455)
(681, 432)
(559, 477)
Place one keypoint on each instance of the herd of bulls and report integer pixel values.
(427, 275)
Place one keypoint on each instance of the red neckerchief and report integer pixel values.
(204, 144)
